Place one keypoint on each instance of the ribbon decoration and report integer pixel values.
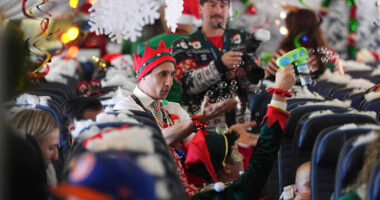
(24, 11)
(44, 31)
(48, 57)
(38, 7)
(31, 14)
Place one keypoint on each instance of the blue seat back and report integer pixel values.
(325, 158)
(304, 140)
(341, 93)
(350, 162)
(356, 99)
(286, 164)
(373, 105)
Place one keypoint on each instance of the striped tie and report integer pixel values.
(157, 106)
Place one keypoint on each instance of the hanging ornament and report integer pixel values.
(353, 27)
(251, 9)
(122, 20)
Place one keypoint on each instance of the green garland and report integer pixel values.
(352, 26)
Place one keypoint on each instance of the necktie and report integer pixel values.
(158, 114)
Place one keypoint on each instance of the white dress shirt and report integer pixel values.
(130, 104)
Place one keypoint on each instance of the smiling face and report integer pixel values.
(158, 82)
(215, 12)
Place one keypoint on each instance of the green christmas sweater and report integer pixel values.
(201, 72)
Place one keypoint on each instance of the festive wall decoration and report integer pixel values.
(173, 10)
(122, 20)
(352, 25)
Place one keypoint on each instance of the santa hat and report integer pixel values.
(151, 58)
(207, 153)
(112, 56)
(190, 14)
(107, 175)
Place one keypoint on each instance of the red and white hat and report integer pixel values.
(190, 14)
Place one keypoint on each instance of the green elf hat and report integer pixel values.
(151, 58)
(207, 153)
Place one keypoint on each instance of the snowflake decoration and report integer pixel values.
(173, 10)
(122, 20)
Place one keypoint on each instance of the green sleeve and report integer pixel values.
(350, 196)
(251, 183)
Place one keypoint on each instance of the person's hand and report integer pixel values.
(303, 196)
(211, 110)
(232, 58)
(246, 139)
(285, 78)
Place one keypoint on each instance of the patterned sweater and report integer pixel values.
(201, 72)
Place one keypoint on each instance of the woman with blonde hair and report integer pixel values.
(44, 128)
(358, 190)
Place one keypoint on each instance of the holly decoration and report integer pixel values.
(352, 24)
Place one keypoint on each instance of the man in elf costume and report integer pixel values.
(215, 155)
(189, 17)
(208, 63)
(154, 72)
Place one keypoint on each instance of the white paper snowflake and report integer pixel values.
(173, 10)
(122, 20)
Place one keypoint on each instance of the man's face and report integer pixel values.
(158, 82)
(215, 12)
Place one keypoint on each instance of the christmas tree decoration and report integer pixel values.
(173, 10)
(122, 20)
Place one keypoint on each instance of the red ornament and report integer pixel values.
(251, 9)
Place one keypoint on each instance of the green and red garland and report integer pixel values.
(352, 24)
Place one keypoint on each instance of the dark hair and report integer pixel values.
(306, 22)
(216, 145)
(201, 2)
(75, 107)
